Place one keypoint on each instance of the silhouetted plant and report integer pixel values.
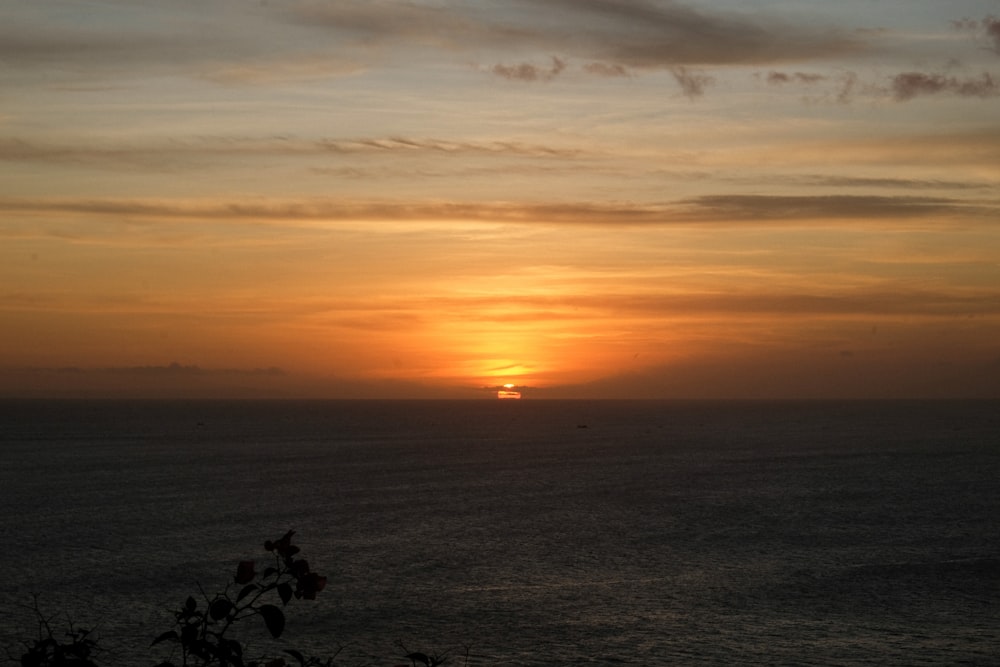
(75, 649)
(416, 657)
(202, 632)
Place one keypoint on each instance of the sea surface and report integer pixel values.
(520, 532)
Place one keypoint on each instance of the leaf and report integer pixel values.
(190, 605)
(274, 619)
(220, 608)
(419, 657)
(295, 654)
(285, 592)
(170, 634)
(247, 590)
(189, 634)
(245, 572)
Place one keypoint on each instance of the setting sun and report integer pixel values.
(508, 392)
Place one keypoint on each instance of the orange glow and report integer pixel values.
(563, 250)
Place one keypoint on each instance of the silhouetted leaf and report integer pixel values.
(285, 592)
(419, 657)
(245, 572)
(309, 585)
(274, 619)
(247, 590)
(190, 605)
(170, 634)
(295, 654)
(300, 568)
(189, 634)
(220, 608)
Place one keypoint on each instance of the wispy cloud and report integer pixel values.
(530, 72)
(176, 369)
(882, 301)
(778, 78)
(80, 48)
(901, 87)
(692, 83)
(638, 33)
(704, 209)
(839, 87)
(845, 207)
(606, 69)
(626, 33)
(892, 183)
(204, 150)
(907, 85)
(987, 28)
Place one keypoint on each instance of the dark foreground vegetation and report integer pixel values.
(207, 629)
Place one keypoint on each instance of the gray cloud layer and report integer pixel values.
(162, 156)
(615, 34)
(706, 209)
(908, 85)
(521, 40)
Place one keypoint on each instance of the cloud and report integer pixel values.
(844, 86)
(848, 85)
(378, 22)
(292, 68)
(606, 69)
(627, 33)
(434, 145)
(900, 183)
(80, 48)
(826, 207)
(529, 72)
(959, 150)
(175, 368)
(778, 78)
(308, 39)
(705, 209)
(93, 45)
(991, 24)
(165, 156)
(988, 28)
(908, 85)
(137, 40)
(692, 84)
(882, 301)
(902, 87)
(637, 33)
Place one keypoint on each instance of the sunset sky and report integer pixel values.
(582, 198)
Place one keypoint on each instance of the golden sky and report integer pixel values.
(583, 198)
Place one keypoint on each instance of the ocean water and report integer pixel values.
(521, 532)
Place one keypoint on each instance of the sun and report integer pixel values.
(508, 391)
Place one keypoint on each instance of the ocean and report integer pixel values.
(520, 532)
